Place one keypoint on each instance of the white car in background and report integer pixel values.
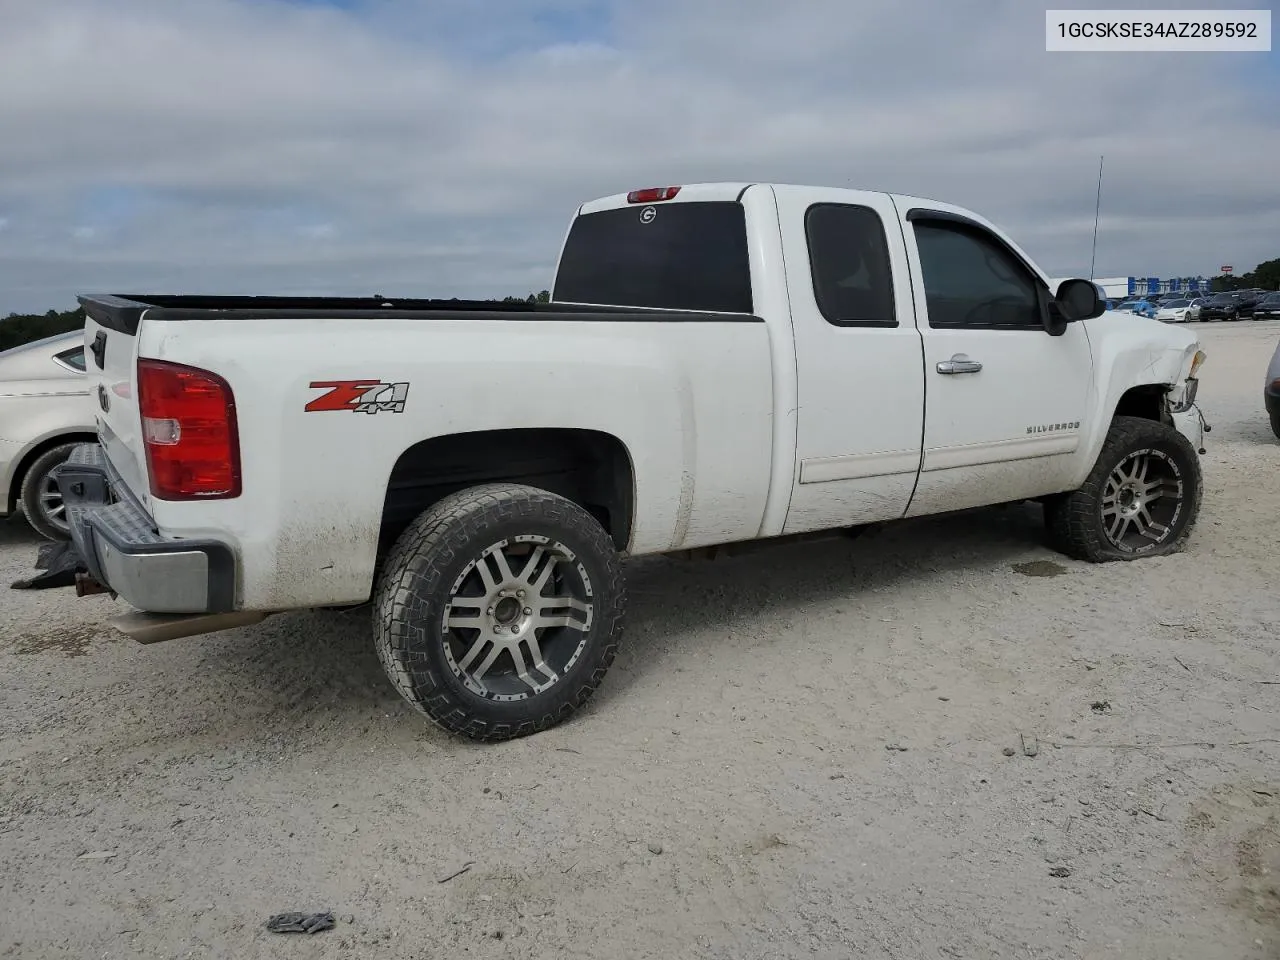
(1176, 311)
(45, 412)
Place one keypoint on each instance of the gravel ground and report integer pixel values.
(800, 753)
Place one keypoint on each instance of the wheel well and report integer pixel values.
(1146, 402)
(590, 468)
(30, 457)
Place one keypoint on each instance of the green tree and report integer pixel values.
(543, 296)
(1265, 275)
(19, 328)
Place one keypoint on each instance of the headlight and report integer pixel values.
(1196, 363)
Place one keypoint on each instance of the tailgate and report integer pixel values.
(111, 362)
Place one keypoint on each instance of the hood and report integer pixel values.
(1164, 349)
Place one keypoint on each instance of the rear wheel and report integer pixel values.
(1275, 424)
(499, 611)
(1140, 500)
(41, 499)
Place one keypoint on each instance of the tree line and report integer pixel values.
(1265, 276)
(19, 328)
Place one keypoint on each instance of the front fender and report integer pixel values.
(1135, 352)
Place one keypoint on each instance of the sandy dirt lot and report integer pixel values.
(801, 753)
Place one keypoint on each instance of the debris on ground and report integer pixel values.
(895, 748)
(1061, 872)
(1100, 706)
(1009, 751)
(297, 922)
(97, 855)
(655, 848)
(1030, 748)
(457, 873)
(60, 563)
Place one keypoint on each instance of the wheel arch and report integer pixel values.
(33, 453)
(1147, 401)
(592, 468)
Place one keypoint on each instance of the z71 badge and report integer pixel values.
(359, 396)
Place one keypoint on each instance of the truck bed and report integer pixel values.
(123, 312)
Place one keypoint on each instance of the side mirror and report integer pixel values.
(1079, 300)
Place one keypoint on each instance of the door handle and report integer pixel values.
(960, 363)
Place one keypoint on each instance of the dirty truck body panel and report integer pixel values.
(782, 359)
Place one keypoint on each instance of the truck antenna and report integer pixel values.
(1097, 209)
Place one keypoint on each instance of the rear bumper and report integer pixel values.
(122, 549)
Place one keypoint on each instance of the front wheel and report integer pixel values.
(1140, 500)
(499, 611)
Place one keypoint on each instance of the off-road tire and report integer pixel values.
(1074, 520)
(414, 590)
(33, 488)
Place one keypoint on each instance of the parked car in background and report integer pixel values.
(1193, 307)
(1221, 306)
(44, 412)
(1142, 307)
(1249, 300)
(1268, 308)
(1271, 392)
(1173, 311)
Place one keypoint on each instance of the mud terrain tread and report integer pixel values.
(1071, 519)
(411, 582)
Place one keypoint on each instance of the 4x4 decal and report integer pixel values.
(359, 396)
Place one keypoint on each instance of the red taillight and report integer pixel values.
(189, 430)
(652, 194)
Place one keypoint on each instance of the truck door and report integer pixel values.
(858, 357)
(1005, 401)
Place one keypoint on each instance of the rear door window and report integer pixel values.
(849, 264)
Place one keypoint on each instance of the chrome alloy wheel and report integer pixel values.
(517, 618)
(1141, 501)
(51, 505)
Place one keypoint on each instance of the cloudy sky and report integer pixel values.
(438, 147)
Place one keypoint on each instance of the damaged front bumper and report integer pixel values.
(121, 548)
(1191, 424)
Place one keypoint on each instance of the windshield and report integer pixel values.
(1175, 303)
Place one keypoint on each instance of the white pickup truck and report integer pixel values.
(720, 363)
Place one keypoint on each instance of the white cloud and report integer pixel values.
(428, 163)
(319, 231)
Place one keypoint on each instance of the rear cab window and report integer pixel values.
(688, 255)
